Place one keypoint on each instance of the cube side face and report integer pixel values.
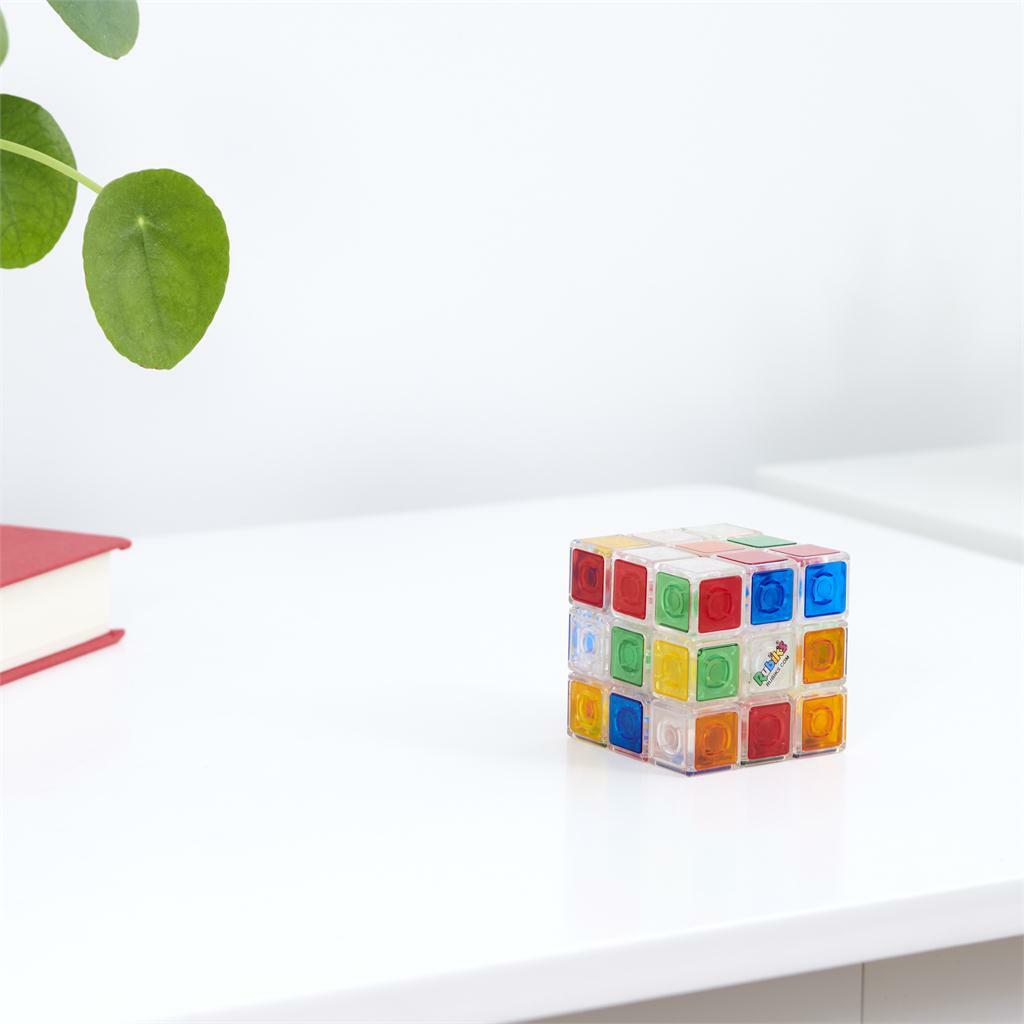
(672, 601)
(587, 577)
(821, 723)
(589, 642)
(630, 655)
(720, 604)
(628, 724)
(590, 564)
(629, 588)
(588, 710)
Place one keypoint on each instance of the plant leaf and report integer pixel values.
(156, 263)
(35, 201)
(4, 41)
(110, 27)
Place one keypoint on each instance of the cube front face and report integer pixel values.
(716, 741)
(771, 596)
(720, 604)
(824, 590)
(768, 731)
(700, 655)
(718, 672)
(824, 655)
(770, 663)
(822, 723)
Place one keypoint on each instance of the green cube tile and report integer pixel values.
(756, 540)
(718, 672)
(672, 601)
(627, 656)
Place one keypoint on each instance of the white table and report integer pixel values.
(325, 777)
(971, 496)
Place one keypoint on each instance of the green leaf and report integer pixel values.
(156, 262)
(4, 41)
(35, 201)
(109, 26)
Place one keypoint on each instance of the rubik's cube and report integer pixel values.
(708, 647)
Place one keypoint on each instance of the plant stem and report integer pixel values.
(49, 161)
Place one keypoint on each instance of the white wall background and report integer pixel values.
(482, 250)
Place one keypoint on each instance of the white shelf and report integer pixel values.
(325, 777)
(969, 496)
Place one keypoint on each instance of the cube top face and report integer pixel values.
(710, 547)
(610, 542)
(722, 531)
(822, 723)
(677, 535)
(752, 556)
(626, 724)
(806, 552)
(759, 540)
(718, 672)
(768, 728)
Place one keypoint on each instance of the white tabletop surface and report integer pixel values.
(325, 777)
(971, 496)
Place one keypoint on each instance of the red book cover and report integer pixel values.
(26, 552)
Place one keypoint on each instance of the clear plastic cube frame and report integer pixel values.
(659, 688)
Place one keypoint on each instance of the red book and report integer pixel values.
(54, 597)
